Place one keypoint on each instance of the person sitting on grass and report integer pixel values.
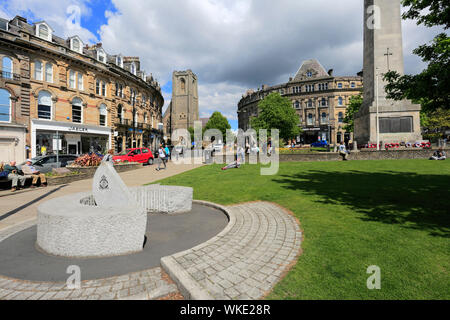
(14, 176)
(28, 169)
(439, 155)
(343, 152)
(234, 165)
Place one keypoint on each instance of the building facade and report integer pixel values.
(183, 109)
(62, 95)
(319, 98)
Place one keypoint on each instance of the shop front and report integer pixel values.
(48, 137)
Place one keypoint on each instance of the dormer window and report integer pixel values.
(309, 74)
(43, 31)
(119, 61)
(101, 55)
(76, 45)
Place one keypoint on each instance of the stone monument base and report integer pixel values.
(399, 122)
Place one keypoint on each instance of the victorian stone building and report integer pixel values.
(319, 98)
(53, 88)
(183, 109)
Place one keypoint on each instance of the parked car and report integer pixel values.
(141, 155)
(319, 144)
(45, 164)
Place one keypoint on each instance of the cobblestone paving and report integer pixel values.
(145, 285)
(245, 261)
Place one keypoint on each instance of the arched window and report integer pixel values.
(43, 31)
(5, 106)
(49, 72)
(324, 117)
(297, 105)
(310, 119)
(310, 103)
(324, 102)
(103, 115)
(72, 76)
(45, 105)
(341, 117)
(183, 86)
(340, 101)
(77, 110)
(38, 70)
(7, 68)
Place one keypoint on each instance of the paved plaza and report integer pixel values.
(244, 261)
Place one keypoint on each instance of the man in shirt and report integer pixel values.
(17, 180)
(439, 155)
(28, 169)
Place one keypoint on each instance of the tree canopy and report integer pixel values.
(276, 112)
(353, 107)
(431, 87)
(219, 122)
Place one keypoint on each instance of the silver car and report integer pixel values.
(45, 164)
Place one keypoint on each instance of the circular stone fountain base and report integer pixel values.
(166, 235)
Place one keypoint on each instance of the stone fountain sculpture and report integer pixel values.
(110, 221)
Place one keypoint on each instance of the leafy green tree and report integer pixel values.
(431, 87)
(276, 112)
(353, 107)
(219, 122)
(434, 123)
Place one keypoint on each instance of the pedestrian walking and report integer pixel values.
(162, 158)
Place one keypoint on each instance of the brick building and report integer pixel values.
(319, 98)
(51, 86)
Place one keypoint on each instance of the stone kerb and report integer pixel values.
(164, 199)
(67, 228)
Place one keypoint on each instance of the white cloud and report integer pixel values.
(236, 45)
(232, 45)
(60, 15)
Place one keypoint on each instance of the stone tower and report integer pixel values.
(183, 110)
(399, 121)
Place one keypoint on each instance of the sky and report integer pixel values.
(231, 45)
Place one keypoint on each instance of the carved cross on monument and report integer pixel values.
(387, 54)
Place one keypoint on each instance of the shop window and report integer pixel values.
(45, 105)
(7, 68)
(103, 115)
(5, 106)
(77, 110)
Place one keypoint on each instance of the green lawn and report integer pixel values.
(393, 214)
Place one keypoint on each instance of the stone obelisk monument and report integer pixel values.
(399, 121)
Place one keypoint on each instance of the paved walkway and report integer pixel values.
(245, 261)
(16, 208)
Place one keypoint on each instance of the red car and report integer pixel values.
(141, 155)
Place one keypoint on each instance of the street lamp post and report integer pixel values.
(378, 119)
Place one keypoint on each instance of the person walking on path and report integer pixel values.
(162, 157)
(167, 152)
(28, 169)
(343, 152)
(13, 175)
